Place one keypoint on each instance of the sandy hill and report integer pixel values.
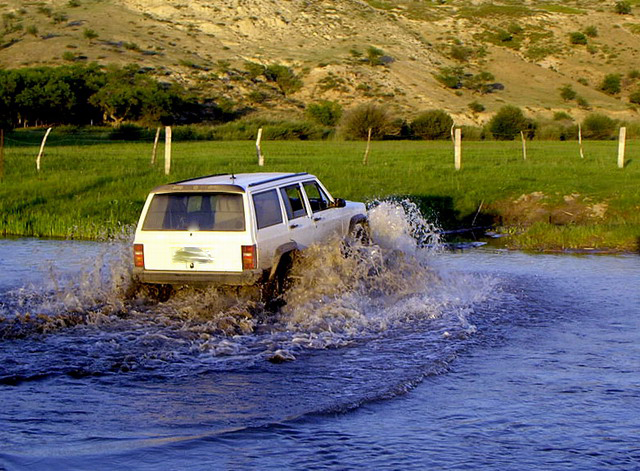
(350, 51)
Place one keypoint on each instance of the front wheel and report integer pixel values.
(360, 233)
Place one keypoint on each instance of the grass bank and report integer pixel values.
(554, 200)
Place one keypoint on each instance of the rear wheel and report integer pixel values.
(275, 287)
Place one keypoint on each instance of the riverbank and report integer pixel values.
(553, 200)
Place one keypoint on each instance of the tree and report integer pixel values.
(611, 84)
(357, 122)
(432, 124)
(327, 113)
(508, 122)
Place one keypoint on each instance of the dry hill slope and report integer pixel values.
(524, 45)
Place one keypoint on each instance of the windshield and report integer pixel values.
(195, 212)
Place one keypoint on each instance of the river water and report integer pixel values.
(387, 357)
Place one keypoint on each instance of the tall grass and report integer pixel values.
(92, 191)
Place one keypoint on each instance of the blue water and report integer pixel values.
(482, 360)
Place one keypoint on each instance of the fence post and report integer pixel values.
(524, 146)
(167, 150)
(155, 147)
(621, 145)
(580, 140)
(365, 160)
(44, 141)
(259, 148)
(458, 148)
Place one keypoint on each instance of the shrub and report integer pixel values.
(623, 8)
(598, 126)
(374, 56)
(476, 107)
(611, 84)
(356, 122)
(327, 113)
(461, 53)
(562, 116)
(635, 97)
(432, 124)
(451, 77)
(286, 80)
(634, 74)
(591, 31)
(507, 122)
(567, 93)
(89, 34)
(583, 103)
(577, 38)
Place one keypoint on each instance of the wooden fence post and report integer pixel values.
(155, 147)
(458, 148)
(44, 141)
(621, 145)
(365, 160)
(524, 146)
(259, 148)
(167, 150)
(580, 140)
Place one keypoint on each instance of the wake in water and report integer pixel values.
(340, 296)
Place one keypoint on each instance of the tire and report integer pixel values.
(360, 233)
(275, 287)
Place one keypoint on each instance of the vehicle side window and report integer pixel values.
(293, 201)
(268, 212)
(317, 198)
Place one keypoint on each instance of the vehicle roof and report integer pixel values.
(238, 182)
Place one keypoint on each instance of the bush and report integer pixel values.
(635, 97)
(577, 38)
(583, 103)
(591, 31)
(432, 124)
(356, 122)
(623, 8)
(128, 132)
(286, 80)
(476, 107)
(508, 122)
(562, 116)
(611, 84)
(567, 93)
(598, 126)
(327, 113)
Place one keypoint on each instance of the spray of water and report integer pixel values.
(341, 294)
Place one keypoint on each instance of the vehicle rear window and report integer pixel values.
(268, 211)
(195, 212)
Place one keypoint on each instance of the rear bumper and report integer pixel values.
(247, 277)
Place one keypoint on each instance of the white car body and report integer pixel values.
(235, 229)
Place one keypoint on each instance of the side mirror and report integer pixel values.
(339, 203)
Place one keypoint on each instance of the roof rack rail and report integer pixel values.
(282, 177)
(198, 178)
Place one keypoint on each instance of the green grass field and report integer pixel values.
(93, 191)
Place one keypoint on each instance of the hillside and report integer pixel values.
(349, 51)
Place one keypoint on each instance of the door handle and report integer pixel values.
(293, 226)
(317, 219)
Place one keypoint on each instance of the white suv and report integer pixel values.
(237, 230)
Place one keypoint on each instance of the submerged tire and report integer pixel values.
(275, 287)
(360, 233)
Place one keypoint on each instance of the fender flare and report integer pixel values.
(278, 254)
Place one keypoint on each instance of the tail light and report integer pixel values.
(138, 255)
(249, 259)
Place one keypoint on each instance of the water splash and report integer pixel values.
(342, 294)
